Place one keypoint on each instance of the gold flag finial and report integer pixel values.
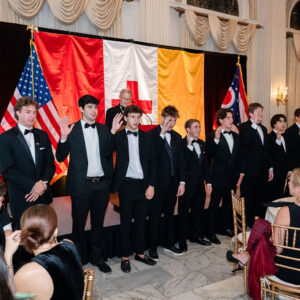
(238, 60)
(32, 28)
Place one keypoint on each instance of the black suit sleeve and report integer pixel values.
(181, 163)
(211, 146)
(9, 169)
(63, 150)
(152, 166)
(109, 119)
(50, 168)
(247, 133)
(207, 172)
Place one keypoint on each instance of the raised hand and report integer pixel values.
(166, 125)
(116, 123)
(65, 129)
(234, 129)
(218, 133)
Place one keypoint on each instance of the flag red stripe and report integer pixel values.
(51, 118)
(44, 127)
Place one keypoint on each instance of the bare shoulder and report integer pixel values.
(33, 278)
(283, 216)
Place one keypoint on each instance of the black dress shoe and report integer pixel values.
(202, 242)
(146, 260)
(125, 266)
(153, 255)
(174, 250)
(102, 266)
(229, 233)
(183, 247)
(215, 240)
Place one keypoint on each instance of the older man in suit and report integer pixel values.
(125, 99)
(26, 160)
(89, 176)
(257, 163)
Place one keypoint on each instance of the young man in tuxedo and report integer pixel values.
(170, 181)
(292, 135)
(125, 99)
(134, 178)
(89, 176)
(26, 160)
(257, 163)
(223, 147)
(193, 200)
(278, 152)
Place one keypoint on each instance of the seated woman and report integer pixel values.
(286, 216)
(55, 272)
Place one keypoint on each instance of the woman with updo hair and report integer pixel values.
(55, 272)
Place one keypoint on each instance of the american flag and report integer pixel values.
(33, 84)
(236, 98)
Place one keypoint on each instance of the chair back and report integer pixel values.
(239, 226)
(287, 241)
(89, 275)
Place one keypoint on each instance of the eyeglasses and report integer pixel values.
(126, 99)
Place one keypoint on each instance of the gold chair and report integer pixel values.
(284, 237)
(89, 275)
(240, 235)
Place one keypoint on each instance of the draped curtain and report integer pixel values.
(101, 13)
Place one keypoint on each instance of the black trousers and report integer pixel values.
(190, 214)
(164, 202)
(133, 203)
(252, 189)
(220, 219)
(94, 199)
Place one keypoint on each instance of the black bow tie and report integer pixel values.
(135, 133)
(28, 131)
(86, 125)
(228, 132)
(194, 141)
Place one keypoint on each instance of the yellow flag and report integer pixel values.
(181, 83)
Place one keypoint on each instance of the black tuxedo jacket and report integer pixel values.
(110, 114)
(119, 143)
(293, 141)
(19, 169)
(197, 169)
(78, 165)
(225, 167)
(279, 157)
(256, 159)
(163, 169)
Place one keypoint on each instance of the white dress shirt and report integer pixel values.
(281, 141)
(195, 146)
(298, 125)
(259, 130)
(91, 140)
(134, 169)
(228, 138)
(166, 136)
(29, 138)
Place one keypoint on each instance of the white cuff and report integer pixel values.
(190, 147)
(162, 136)
(7, 227)
(63, 141)
(271, 169)
(278, 142)
(217, 141)
(182, 182)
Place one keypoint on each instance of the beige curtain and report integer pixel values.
(198, 26)
(243, 37)
(101, 13)
(296, 38)
(67, 11)
(222, 31)
(27, 9)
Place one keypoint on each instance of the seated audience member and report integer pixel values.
(286, 216)
(5, 222)
(55, 272)
(5, 291)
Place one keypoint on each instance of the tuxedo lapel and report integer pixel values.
(37, 147)
(23, 142)
(99, 138)
(79, 134)
(125, 142)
